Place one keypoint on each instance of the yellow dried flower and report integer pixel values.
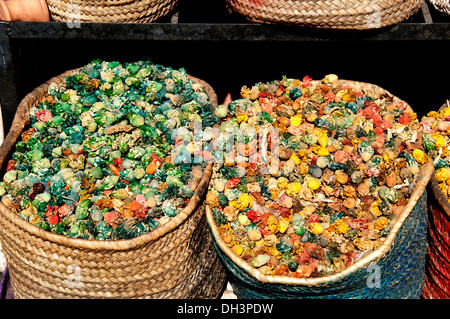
(273, 225)
(303, 153)
(284, 224)
(242, 118)
(274, 192)
(307, 211)
(380, 223)
(363, 243)
(445, 112)
(241, 203)
(388, 156)
(321, 151)
(238, 249)
(420, 156)
(314, 184)
(293, 188)
(34, 219)
(303, 169)
(260, 242)
(433, 114)
(341, 226)
(295, 158)
(323, 140)
(316, 228)
(245, 92)
(282, 182)
(341, 93)
(356, 141)
(234, 204)
(374, 208)
(30, 210)
(244, 220)
(274, 251)
(296, 120)
(442, 174)
(438, 140)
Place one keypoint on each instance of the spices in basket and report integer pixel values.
(436, 136)
(314, 175)
(105, 155)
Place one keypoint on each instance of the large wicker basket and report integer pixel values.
(176, 260)
(114, 11)
(437, 281)
(399, 262)
(328, 14)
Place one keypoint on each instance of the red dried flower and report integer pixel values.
(233, 182)
(306, 82)
(11, 165)
(118, 162)
(52, 219)
(254, 216)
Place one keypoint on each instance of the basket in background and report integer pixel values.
(328, 14)
(112, 11)
(441, 5)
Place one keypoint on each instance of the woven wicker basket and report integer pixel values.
(441, 5)
(114, 11)
(401, 258)
(437, 282)
(328, 14)
(176, 260)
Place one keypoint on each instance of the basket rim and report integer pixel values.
(440, 197)
(424, 175)
(19, 122)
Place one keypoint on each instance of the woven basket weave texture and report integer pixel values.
(327, 14)
(113, 11)
(176, 260)
(437, 282)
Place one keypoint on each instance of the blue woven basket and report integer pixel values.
(399, 263)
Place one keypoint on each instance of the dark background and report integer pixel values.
(416, 71)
